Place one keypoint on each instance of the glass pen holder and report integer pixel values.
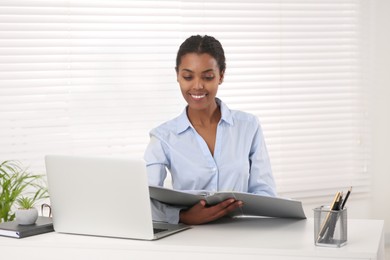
(330, 227)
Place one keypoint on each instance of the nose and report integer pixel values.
(198, 84)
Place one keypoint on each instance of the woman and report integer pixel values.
(208, 147)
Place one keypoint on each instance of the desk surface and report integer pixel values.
(250, 237)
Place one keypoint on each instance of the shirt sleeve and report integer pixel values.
(165, 213)
(156, 162)
(261, 179)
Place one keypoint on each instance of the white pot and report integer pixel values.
(26, 216)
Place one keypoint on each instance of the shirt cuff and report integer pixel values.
(165, 213)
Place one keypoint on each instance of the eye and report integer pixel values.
(188, 78)
(209, 77)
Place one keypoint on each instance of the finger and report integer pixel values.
(223, 209)
(224, 204)
(201, 204)
(234, 206)
(220, 206)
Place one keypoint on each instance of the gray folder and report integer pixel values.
(254, 204)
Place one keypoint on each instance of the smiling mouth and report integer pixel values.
(199, 96)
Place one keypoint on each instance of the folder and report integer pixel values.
(254, 205)
(13, 229)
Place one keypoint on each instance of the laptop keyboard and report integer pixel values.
(158, 230)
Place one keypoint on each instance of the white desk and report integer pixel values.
(229, 239)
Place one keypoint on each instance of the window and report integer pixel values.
(93, 77)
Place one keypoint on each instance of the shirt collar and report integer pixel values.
(183, 123)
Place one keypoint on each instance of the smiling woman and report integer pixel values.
(209, 135)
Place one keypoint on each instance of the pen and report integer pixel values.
(327, 220)
(339, 202)
(346, 197)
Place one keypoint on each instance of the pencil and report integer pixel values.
(346, 197)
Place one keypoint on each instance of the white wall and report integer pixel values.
(378, 100)
(380, 114)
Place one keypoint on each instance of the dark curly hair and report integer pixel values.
(200, 45)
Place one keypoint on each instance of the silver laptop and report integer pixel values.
(102, 197)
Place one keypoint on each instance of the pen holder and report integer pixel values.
(330, 227)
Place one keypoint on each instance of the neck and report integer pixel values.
(204, 117)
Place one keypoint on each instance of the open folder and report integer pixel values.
(254, 205)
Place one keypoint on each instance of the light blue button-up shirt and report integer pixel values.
(240, 161)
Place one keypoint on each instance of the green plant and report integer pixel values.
(25, 202)
(18, 186)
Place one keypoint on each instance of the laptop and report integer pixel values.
(102, 196)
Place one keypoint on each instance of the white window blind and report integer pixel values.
(93, 77)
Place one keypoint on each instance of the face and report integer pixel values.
(199, 76)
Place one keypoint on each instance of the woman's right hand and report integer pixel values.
(200, 213)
